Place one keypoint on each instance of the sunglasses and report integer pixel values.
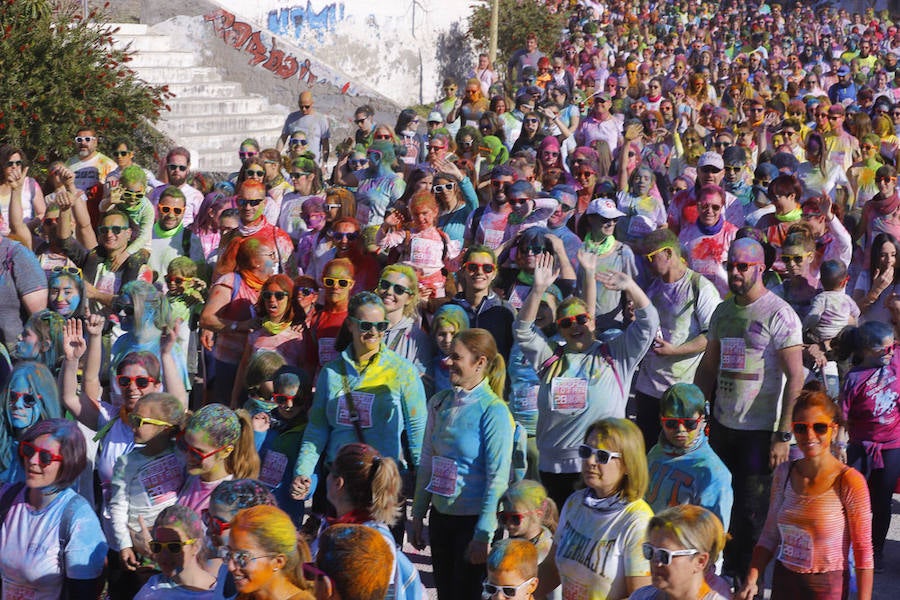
(243, 202)
(187, 448)
(382, 136)
(66, 270)
(299, 174)
(533, 250)
(663, 556)
(45, 457)
(885, 179)
(84, 139)
(138, 421)
(114, 229)
(674, 423)
(567, 322)
(509, 518)
(254, 173)
(332, 206)
(241, 558)
(442, 187)
(386, 285)
(740, 266)
(508, 591)
(360, 121)
(435, 148)
(173, 280)
(14, 163)
(712, 207)
(800, 428)
(364, 326)
(213, 523)
(171, 547)
(121, 153)
(129, 196)
(247, 154)
(358, 162)
(795, 258)
(519, 201)
(282, 399)
(47, 222)
(174, 167)
(175, 210)
(279, 295)
(600, 455)
(307, 291)
(27, 399)
(333, 282)
(532, 121)
(351, 235)
(298, 142)
(473, 268)
(141, 382)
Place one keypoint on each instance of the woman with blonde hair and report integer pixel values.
(398, 289)
(465, 465)
(610, 515)
(265, 556)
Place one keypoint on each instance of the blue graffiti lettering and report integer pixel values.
(293, 21)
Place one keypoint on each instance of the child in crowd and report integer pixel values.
(427, 248)
(186, 294)
(512, 566)
(130, 196)
(218, 445)
(527, 513)
(449, 320)
(147, 479)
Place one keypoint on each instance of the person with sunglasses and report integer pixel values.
(178, 171)
(91, 168)
(800, 283)
(14, 180)
(609, 517)
(512, 571)
(753, 366)
(566, 404)
(870, 440)
(379, 185)
(306, 178)
(337, 285)
(532, 133)
(29, 397)
(599, 124)
(70, 559)
(529, 514)
(819, 508)
(266, 557)
(145, 481)
(706, 240)
(177, 545)
(683, 468)
(399, 290)
(465, 465)
(367, 393)
(683, 544)
(456, 198)
(487, 224)
(170, 237)
(558, 223)
(313, 123)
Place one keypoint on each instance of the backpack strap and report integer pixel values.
(604, 352)
(105, 429)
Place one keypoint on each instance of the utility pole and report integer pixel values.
(495, 16)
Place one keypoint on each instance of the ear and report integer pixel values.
(45, 346)
(325, 589)
(702, 561)
(226, 452)
(532, 587)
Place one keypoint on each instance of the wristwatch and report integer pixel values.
(782, 436)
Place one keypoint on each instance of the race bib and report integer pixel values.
(162, 479)
(14, 591)
(493, 238)
(733, 354)
(518, 295)
(327, 353)
(271, 472)
(106, 283)
(363, 403)
(568, 395)
(443, 477)
(574, 590)
(796, 547)
(526, 400)
(426, 252)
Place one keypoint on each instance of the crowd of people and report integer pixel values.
(624, 299)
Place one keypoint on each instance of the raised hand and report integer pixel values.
(544, 272)
(587, 260)
(74, 345)
(614, 280)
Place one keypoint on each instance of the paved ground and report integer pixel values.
(887, 584)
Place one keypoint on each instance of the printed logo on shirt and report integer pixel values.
(733, 354)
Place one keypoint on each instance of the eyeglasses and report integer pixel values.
(600, 455)
(364, 326)
(121, 153)
(382, 136)
(800, 428)
(187, 448)
(531, 120)
(137, 421)
(243, 202)
(14, 163)
(307, 291)
(28, 400)
(242, 558)
(129, 196)
(442, 187)
(567, 322)
(385, 285)
(435, 148)
(333, 282)
(508, 591)
(85, 139)
(174, 167)
(282, 399)
(141, 382)
(508, 518)
(171, 547)
(360, 121)
(45, 457)
(299, 174)
(358, 162)
(306, 106)
(175, 210)
(655, 252)
(247, 154)
(674, 423)
(254, 173)
(740, 266)
(114, 229)
(213, 523)
(298, 142)
(795, 258)
(473, 268)
(663, 556)
(712, 207)
(66, 270)
(344, 235)
(885, 179)
(279, 295)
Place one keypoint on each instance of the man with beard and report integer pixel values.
(178, 167)
(754, 341)
(91, 169)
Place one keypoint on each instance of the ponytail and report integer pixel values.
(243, 462)
(386, 484)
(371, 481)
(481, 343)
(496, 374)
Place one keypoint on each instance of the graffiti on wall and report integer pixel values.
(295, 20)
(243, 36)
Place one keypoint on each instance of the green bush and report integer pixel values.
(61, 72)
(517, 19)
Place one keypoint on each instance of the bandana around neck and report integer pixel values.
(603, 247)
(794, 215)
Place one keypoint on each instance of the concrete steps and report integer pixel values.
(209, 116)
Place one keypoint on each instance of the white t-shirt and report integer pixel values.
(160, 587)
(193, 198)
